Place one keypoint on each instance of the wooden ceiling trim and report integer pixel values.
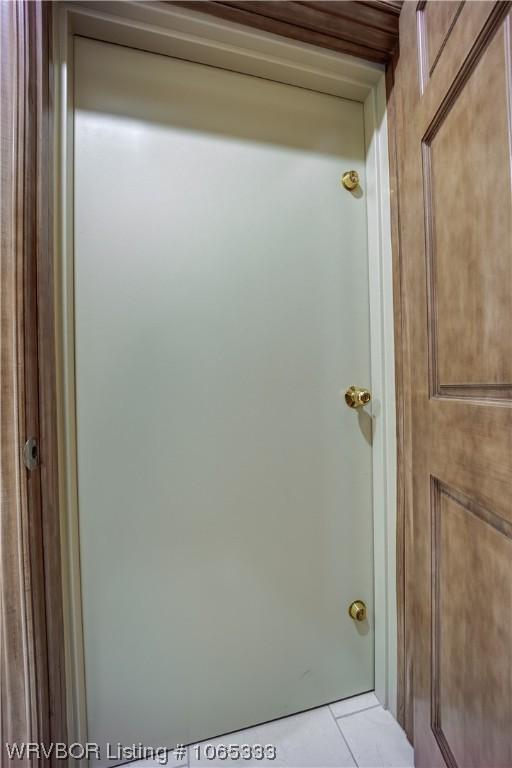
(365, 29)
(303, 15)
(389, 6)
(359, 13)
(284, 29)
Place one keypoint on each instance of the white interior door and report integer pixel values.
(221, 309)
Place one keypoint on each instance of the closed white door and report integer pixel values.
(221, 309)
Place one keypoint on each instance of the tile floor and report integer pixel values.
(352, 732)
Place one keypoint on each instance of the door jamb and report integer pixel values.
(194, 36)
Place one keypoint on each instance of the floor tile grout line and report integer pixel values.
(355, 712)
(338, 726)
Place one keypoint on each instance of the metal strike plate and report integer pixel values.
(31, 453)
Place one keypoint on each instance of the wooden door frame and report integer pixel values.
(230, 46)
(404, 509)
(31, 620)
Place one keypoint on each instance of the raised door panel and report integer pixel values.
(472, 631)
(438, 19)
(466, 159)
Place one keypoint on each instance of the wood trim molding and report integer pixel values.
(32, 703)
(365, 29)
(404, 530)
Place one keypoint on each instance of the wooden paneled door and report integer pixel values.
(454, 160)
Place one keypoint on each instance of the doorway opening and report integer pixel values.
(248, 341)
